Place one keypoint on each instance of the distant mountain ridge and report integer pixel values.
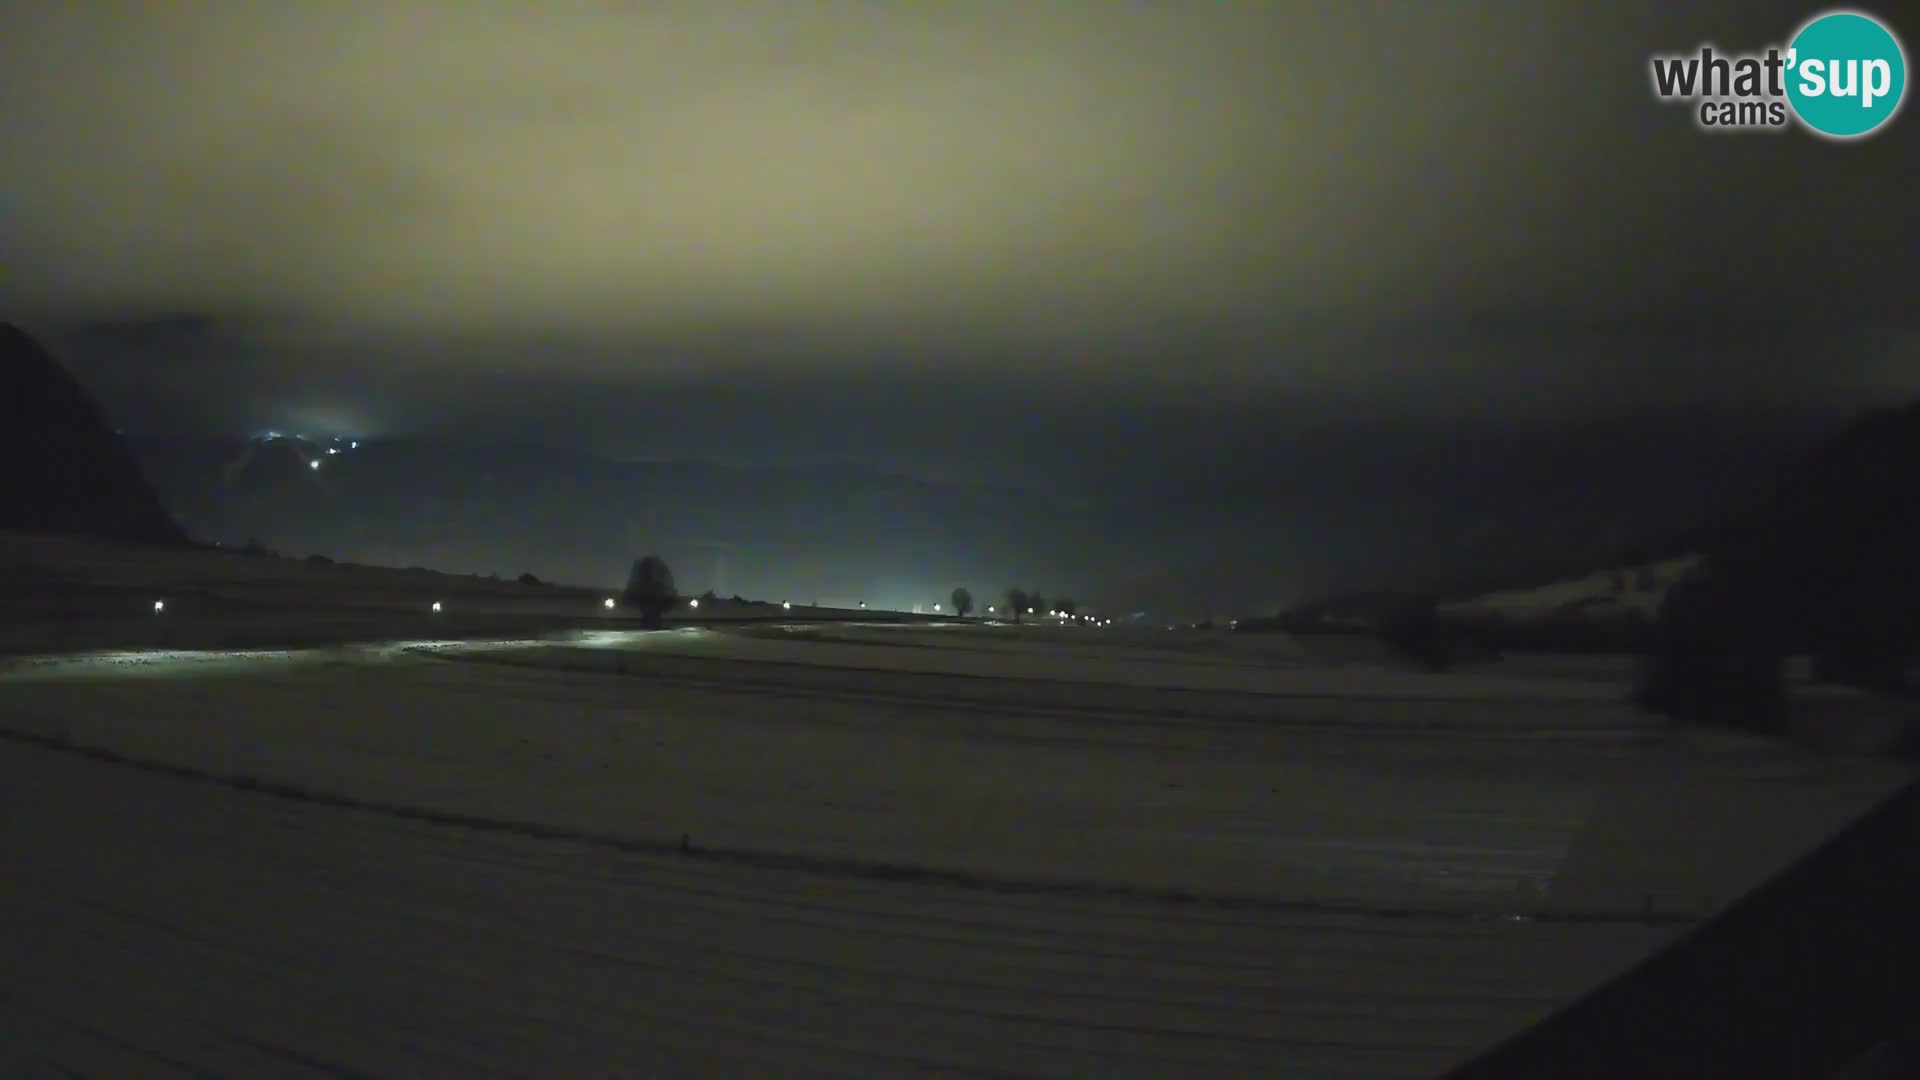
(1452, 518)
(784, 532)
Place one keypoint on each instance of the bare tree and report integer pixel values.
(962, 601)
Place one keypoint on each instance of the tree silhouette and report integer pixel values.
(962, 601)
(1067, 607)
(1017, 601)
(650, 589)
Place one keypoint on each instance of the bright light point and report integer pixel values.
(159, 606)
(332, 451)
(608, 603)
(786, 605)
(936, 607)
(693, 603)
(1029, 611)
(989, 609)
(353, 446)
(314, 464)
(436, 605)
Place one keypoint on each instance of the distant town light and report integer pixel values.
(608, 603)
(786, 605)
(989, 609)
(353, 446)
(332, 450)
(436, 605)
(314, 464)
(1029, 611)
(159, 606)
(936, 607)
(693, 603)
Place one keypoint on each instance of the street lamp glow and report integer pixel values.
(436, 605)
(353, 446)
(936, 607)
(159, 606)
(332, 450)
(314, 464)
(608, 603)
(989, 609)
(1029, 611)
(786, 605)
(694, 603)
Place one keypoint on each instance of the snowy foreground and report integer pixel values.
(847, 850)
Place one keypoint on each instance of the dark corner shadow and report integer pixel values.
(1805, 976)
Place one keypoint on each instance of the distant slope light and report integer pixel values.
(607, 603)
(314, 464)
(786, 605)
(332, 450)
(436, 605)
(693, 603)
(936, 607)
(353, 446)
(159, 606)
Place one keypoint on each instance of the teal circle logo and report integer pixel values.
(1846, 74)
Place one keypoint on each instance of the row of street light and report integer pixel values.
(160, 607)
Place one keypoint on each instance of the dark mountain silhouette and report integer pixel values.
(1229, 543)
(63, 469)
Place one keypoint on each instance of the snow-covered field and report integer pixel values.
(849, 849)
(1602, 594)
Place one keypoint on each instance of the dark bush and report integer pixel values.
(319, 560)
(1717, 657)
(1822, 566)
(1413, 627)
(530, 579)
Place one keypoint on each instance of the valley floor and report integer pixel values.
(847, 849)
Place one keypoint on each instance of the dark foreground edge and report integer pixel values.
(1803, 977)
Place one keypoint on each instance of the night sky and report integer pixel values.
(984, 241)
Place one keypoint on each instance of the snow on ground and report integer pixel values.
(205, 931)
(850, 849)
(1423, 803)
(1091, 662)
(1599, 594)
